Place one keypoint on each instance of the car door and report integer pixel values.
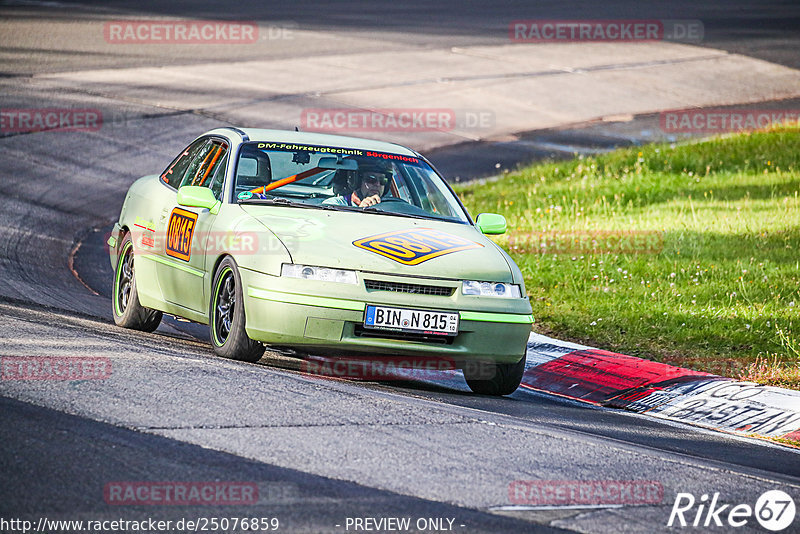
(187, 231)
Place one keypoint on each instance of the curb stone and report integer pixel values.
(614, 380)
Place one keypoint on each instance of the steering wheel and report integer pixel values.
(392, 199)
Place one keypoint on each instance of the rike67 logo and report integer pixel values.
(774, 510)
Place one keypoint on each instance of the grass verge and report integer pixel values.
(687, 254)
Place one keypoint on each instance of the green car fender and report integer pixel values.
(260, 249)
(516, 273)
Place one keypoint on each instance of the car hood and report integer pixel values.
(384, 243)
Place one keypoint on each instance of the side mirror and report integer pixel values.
(491, 223)
(194, 196)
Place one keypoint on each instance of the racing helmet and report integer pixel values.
(346, 181)
(379, 171)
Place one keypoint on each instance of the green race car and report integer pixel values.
(324, 244)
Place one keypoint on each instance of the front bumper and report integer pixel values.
(328, 317)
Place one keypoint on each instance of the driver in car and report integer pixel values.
(370, 187)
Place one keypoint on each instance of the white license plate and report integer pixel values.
(405, 320)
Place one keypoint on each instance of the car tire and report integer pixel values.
(488, 378)
(125, 306)
(226, 318)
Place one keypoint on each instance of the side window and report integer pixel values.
(218, 180)
(173, 175)
(203, 166)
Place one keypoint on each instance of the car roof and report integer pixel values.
(307, 138)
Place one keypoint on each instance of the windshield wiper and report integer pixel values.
(270, 200)
(275, 200)
(374, 209)
(286, 202)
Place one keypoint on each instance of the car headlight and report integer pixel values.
(325, 274)
(490, 289)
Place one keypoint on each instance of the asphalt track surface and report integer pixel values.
(320, 451)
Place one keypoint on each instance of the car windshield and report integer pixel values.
(343, 178)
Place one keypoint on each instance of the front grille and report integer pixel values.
(416, 289)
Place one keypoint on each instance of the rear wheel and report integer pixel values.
(226, 316)
(127, 311)
(489, 378)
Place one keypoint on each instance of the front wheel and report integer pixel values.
(226, 316)
(127, 311)
(489, 378)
